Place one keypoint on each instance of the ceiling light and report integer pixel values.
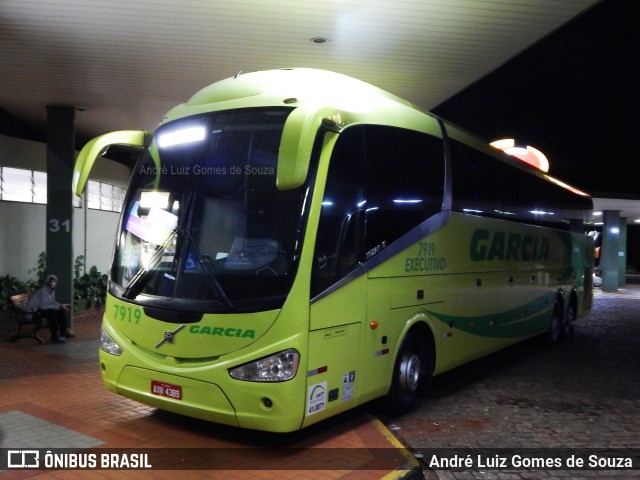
(181, 136)
(527, 154)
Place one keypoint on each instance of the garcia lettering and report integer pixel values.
(488, 246)
(222, 331)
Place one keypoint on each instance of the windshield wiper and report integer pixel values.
(139, 280)
(205, 260)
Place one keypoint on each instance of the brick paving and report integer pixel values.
(52, 396)
(582, 393)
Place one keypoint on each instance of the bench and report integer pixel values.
(25, 318)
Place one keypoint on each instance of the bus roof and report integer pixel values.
(355, 101)
(296, 87)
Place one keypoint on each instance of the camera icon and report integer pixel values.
(23, 459)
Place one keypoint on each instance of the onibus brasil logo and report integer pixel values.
(70, 460)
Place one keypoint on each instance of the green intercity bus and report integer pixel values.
(294, 243)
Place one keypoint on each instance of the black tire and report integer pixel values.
(567, 326)
(407, 379)
(555, 325)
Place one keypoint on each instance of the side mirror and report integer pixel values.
(296, 145)
(96, 148)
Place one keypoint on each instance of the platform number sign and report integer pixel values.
(56, 225)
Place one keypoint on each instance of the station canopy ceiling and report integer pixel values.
(124, 63)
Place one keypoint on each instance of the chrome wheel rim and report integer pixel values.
(410, 373)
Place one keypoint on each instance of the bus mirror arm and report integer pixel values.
(296, 144)
(96, 148)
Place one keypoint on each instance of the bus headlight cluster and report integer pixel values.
(108, 344)
(279, 367)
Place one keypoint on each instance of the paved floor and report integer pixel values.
(52, 397)
(583, 393)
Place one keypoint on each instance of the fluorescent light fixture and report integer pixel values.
(504, 213)
(154, 200)
(543, 161)
(517, 152)
(181, 137)
(399, 200)
(327, 203)
(597, 214)
(503, 144)
(567, 186)
(541, 212)
(527, 153)
(471, 210)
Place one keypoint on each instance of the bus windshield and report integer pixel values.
(204, 228)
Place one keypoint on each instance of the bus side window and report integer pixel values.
(477, 180)
(339, 242)
(405, 182)
(484, 185)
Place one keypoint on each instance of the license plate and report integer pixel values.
(166, 390)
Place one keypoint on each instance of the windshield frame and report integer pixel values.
(296, 222)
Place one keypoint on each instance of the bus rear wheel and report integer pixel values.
(555, 326)
(567, 327)
(406, 378)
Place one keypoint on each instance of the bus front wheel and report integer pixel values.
(406, 378)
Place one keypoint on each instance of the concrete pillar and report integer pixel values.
(609, 263)
(60, 160)
(622, 253)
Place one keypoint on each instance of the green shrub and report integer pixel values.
(10, 286)
(91, 286)
(88, 286)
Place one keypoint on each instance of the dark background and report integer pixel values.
(575, 96)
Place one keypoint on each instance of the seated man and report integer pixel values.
(44, 302)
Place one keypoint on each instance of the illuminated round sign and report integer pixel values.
(527, 154)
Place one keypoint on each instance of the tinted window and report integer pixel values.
(476, 179)
(405, 182)
(485, 185)
(339, 244)
(389, 177)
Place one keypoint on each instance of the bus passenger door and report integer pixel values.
(338, 284)
(334, 348)
(336, 317)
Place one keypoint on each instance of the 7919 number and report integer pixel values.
(127, 314)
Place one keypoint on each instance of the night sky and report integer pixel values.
(575, 95)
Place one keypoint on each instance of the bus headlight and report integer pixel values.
(108, 344)
(279, 367)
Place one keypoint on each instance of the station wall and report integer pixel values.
(23, 225)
